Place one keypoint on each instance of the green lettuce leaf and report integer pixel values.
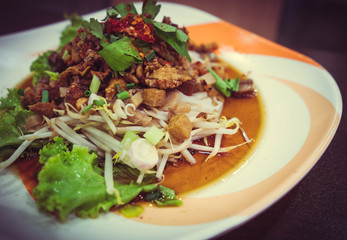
(12, 122)
(68, 183)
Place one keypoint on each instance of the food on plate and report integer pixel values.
(113, 107)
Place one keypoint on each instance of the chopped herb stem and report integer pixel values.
(95, 84)
(98, 103)
(87, 93)
(220, 84)
(45, 96)
(87, 108)
(123, 95)
(150, 55)
(130, 86)
(119, 88)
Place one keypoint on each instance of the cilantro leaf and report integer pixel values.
(70, 31)
(125, 8)
(111, 12)
(121, 54)
(94, 27)
(176, 38)
(150, 9)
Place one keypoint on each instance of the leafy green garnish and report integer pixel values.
(121, 54)
(52, 75)
(12, 121)
(111, 12)
(125, 8)
(94, 27)
(40, 66)
(225, 87)
(69, 182)
(150, 9)
(124, 174)
(53, 149)
(175, 37)
(163, 196)
(70, 31)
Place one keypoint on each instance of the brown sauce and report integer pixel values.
(184, 177)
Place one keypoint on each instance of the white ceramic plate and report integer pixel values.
(303, 108)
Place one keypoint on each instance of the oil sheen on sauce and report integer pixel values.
(183, 177)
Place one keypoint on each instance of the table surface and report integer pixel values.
(316, 208)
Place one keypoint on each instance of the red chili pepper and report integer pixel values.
(131, 25)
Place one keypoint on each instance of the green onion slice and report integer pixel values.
(45, 96)
(87, 108)
(123, 95)
(95, 84)
(131, 86)
(98, 103)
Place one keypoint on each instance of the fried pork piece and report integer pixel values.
(246, 89)
(45, 109)
(111, 89)
(179, 127)
(154, 97)
(167, 77)
(203, 48)
(139, 118)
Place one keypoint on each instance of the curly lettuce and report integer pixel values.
(12, 122)
(68, 183)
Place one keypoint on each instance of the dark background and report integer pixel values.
(317, 207)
